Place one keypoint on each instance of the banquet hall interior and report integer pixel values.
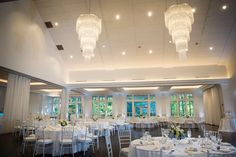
(122, 78)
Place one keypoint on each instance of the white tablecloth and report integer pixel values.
(227, 125)
(54, 133)
(182, 148)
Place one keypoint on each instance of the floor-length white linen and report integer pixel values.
(212, 105)
(17, 101)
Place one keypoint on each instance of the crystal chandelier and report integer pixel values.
(88, 27)
(179, 20)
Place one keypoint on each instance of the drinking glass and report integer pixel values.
(189, 134)
(219, 138)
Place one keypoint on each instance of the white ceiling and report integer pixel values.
(212, 27)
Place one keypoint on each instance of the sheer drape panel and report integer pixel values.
(16, 101)
(212, 105)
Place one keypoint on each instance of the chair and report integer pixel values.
(17, 128)
(109, 146)
(85, 140)
(28, 138)
(141, 152)
(94, 135)
(67, 139)
(42, 142)
(124, 137)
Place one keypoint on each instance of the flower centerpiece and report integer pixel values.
(95, 118)
(39, 118)
(63, 122)
(176, 132)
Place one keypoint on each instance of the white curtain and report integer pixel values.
(212, 100)
(16, 101)
(64, 103)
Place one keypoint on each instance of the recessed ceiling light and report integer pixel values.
(224, 7)
(117, 16)
(149, 13)
(170, 41)
(211, 48)
(150, 51)
(103, 46)
(194, 10)
(71, 57)
(56, 23)
(51, 90)
(123, 53)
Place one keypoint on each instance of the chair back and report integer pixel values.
(124, 137)
(141, 152)
(109, 146)
(67, 132)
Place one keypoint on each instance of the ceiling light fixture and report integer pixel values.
(37, 83)
(56, 23)
(123, 53)
(179, 20)
(4, 81)
(211, 48)
(150, 51)
(186, 87)
(140, 88)
(224, 7)
(117, 16)
(88, 27)
(95, 89)
(51, 90)
(194, 10)
(149, 13)
(71, 57)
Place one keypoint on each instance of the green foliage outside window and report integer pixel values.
(141, 104)
(181, 105)
(56, 103)
(75, 106)
(102, 106)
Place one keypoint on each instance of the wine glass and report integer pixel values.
(219, 138)
(189, 134)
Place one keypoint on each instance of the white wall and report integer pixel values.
(35, 103)
(189, 72)
(229, 89)
(26, 45)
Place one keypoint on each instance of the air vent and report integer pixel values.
(60, 47)
(49, 24)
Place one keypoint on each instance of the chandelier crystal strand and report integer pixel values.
(88, 27)
(179, 20)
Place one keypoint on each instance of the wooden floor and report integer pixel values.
(10, 146)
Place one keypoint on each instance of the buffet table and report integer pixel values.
(227, 125)
(178, 148)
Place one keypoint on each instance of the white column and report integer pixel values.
(64, 103)
(16, 102)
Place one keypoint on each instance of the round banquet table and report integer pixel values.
(182, 148)
(227, 125)
(54, 133)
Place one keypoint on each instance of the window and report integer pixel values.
(182, 105)
(56, 105)
(75, 106)
(102, 106)
(143, 105)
